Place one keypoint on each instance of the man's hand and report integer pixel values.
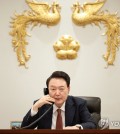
(71, 127)
(44, 100)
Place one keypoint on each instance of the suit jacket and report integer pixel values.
(76, 112)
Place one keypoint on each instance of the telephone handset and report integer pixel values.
(45, 90)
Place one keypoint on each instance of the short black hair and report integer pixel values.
(59, 74)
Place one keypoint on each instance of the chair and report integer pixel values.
(94, 107)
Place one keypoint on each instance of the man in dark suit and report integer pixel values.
(74, 113)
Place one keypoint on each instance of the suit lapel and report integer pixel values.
(69, 111)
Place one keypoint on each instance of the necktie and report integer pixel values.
(59, 124)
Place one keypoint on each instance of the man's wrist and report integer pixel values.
(33, 112)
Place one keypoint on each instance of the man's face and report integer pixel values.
(58, 90)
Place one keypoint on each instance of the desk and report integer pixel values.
(28, 131)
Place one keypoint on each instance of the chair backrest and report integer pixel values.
(94, 107)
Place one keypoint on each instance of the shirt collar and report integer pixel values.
(62, 108)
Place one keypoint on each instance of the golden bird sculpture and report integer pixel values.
(42, 13)
(89, 13)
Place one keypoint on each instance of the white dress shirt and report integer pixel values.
(54, 115)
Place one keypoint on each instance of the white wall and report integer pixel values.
(20, 86)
